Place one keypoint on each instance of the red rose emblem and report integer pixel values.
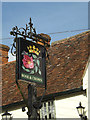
(28, 62)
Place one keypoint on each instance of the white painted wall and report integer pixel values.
(18, 113)
(85, 80)
(88, 90)
(66, 108)
(86, 84)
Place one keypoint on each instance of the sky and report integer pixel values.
(47, 17)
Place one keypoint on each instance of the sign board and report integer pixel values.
(30, 62)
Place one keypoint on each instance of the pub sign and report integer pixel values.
(30, 62)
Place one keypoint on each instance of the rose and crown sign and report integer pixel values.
(30, 61)
(30, 56)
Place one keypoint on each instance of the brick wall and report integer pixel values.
(4, 54)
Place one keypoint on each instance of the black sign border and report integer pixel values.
(18, 60)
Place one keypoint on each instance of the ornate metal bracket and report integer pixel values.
(25, 32)
(30, 33)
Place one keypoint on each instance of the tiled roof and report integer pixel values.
(4, 47)
(65, 68)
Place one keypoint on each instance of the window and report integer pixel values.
(47, 111)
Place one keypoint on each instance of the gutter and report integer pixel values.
(46, 98)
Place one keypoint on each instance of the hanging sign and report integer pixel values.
(30, 62)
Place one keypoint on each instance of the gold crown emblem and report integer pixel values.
(33, 49)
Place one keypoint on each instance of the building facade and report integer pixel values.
(67, 81)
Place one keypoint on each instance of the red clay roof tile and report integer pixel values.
(65, 68)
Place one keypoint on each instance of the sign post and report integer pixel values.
(30, 63)
(32, 112)
(31, 68)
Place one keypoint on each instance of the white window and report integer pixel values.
(47, 111)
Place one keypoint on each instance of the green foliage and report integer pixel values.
(32, 72)
(39, 71)
(27, 70)
(34, 56)
(36, 69)
(38, 62)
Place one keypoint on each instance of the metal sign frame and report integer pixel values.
(30, 62)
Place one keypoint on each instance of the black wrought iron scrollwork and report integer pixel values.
(13, 49)
(25, 32)
(28, 32)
